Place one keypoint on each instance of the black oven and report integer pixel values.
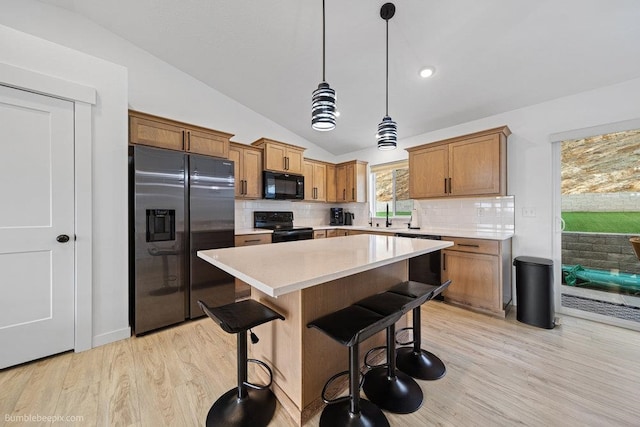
(283, 186)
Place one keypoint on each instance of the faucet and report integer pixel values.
(387, 223)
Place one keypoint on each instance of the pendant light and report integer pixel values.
(323, 101)
(387, 129)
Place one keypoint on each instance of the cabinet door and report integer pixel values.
(475, 166)
(475, 279)
(208, 144)
(235, 155)
(351, 182)
(332, 233)
(309, 189)
(294, 161)
(319, 181)
(428, 172)
(274, 157)
(252, 167)
(156, 134)
(331, 190)
(341, 183)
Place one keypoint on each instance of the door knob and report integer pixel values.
(63, 238)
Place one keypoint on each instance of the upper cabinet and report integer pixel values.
(315, 181)
(145, 129)
(351, 181)
(469, 165)
(331, 183)
(248, 170)
(281, 157)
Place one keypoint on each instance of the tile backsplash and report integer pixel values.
(477, 214)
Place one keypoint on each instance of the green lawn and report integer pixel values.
(602, 222)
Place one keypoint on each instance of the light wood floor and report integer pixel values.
(500, 373)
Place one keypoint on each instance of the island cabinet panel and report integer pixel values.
(248, 170)
(296, 352)
(480, 274)
(145, 129)
(470, 165)
(281, 157)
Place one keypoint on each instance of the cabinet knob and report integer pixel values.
(63, 238)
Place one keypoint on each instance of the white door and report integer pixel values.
(36, 210)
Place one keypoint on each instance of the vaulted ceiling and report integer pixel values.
(490, 56)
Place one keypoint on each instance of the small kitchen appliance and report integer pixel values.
(348, 218)
(336, 216)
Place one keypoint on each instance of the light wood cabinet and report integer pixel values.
(331, 183)
(320, 234)
(248, 170)
(281, 157)
(480, 274)
(332, 233)
(315, 181)
(469, 165)
(252, 239)
(145, 129)
(351, 181)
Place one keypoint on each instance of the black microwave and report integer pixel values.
(282, 186)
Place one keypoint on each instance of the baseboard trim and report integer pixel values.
(112, 336)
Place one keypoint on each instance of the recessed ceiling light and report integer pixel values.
(427, 72)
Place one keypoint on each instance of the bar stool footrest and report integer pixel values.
(256, 409)
(366, 358)
(339, 415)
(269, 371)
(408, 328)
(423, 365)
(337, 399)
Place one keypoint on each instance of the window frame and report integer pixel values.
(386, 167)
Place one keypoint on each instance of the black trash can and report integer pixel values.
(534, 291)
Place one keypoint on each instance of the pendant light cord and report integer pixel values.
(323, 41)
(387, 77)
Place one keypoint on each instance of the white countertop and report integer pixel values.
(449, 232)
(280, 268)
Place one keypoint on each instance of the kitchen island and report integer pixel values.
(304, 280)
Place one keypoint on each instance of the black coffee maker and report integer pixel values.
(337, 217)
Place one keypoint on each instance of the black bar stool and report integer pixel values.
(384, 385)
(248, 404)
(415, 361)
(349, 327)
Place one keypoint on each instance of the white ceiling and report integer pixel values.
(491, 56)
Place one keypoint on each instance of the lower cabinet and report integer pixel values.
(480, 274)
(243, 290)
(320, 234)
(332, 233)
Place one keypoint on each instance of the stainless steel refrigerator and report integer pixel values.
(179, 203)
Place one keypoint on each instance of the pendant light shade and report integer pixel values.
(387, 129)
(323, 108)
(323, 100)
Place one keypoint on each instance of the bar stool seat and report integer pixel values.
(413, 360)
(384, 385)
(248, 404)
(349, 327)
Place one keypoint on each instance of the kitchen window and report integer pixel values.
(390, 188)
